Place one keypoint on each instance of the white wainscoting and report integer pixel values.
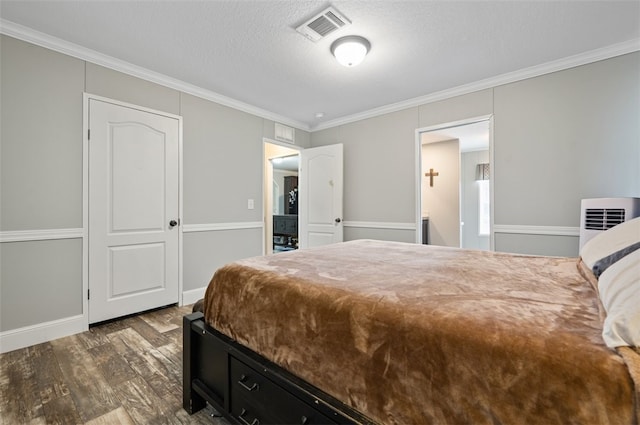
(41, 332)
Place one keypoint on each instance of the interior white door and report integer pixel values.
(320, 183)
(133, 210)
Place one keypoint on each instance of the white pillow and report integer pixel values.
(606, 243)
(619, 288)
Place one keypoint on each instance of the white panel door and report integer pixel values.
(133, 210)
(320, 184)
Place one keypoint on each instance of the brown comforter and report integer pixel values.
(429, 335)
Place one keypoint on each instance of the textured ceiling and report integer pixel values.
(249, 50)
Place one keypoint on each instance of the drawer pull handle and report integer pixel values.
(255, 385)
(255, 421)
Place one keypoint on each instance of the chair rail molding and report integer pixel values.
(40, 235)
(537, 230)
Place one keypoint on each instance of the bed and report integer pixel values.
(394, 333)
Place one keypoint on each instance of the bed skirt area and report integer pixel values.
(407, 333)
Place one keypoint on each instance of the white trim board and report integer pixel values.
(537, 230)
(56, 44)
(214, 227)
(193, 295)
(380, 225)
(42, 332)
(40, 235)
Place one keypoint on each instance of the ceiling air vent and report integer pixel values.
(285, 133)
(603, 218)
(323, 24)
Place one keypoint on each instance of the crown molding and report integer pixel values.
(608, 52)
(56, 44)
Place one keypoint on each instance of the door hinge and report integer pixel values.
(89, 134)
(88, 294)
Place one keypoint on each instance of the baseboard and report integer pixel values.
(193, 295)
(42, 332)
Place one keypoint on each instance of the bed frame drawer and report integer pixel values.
(254, 395)
(248, 389)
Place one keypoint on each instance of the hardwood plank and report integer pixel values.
(97, 335)
(154, 337)
(173, 353)
(115, 417)
(18, 388)
(175, 337)
(160, 320)
(61, 411)
(180, 312)
(143, 404)
(147, 362)
(91, 393)
(92, 377)
(114, 368)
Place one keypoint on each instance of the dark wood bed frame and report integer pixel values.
(248, 389)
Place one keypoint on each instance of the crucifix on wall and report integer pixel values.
(431, 174)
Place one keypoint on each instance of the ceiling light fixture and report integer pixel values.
(350, 50)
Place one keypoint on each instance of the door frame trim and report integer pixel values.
(86, 97)
(418, 171)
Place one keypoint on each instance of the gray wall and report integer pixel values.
(41, 177)
(379, 157)
(558, 138)
(41, 173)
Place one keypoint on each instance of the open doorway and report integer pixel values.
(454, 165)
(281, 165)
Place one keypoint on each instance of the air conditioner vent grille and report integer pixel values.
(323, 24)
(603, 218)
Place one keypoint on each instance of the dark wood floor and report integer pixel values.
(123, 372)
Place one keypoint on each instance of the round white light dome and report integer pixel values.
(350, 50)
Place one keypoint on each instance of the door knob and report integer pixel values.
(173, 223)
(338, 220)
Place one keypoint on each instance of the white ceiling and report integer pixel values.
(249, 50)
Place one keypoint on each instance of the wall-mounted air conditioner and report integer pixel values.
(600, 214)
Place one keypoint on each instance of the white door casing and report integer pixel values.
(133, 197)
(320, 196)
